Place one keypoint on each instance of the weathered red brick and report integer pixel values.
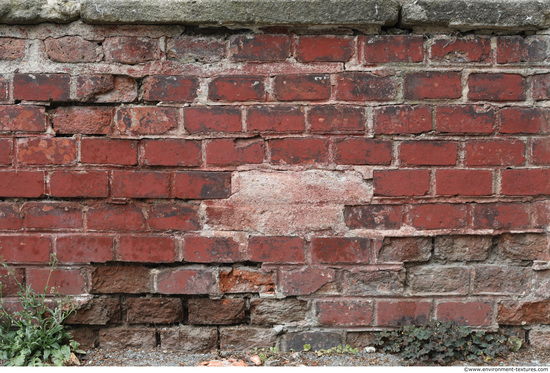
(432, 85)
(438, 216)
(337, 119)
(463, 182)
(186, 281)
(466, 313)
(41, 87)
(89, 120)
(202, 185)
(146, 120)
(332, 250)
(154, 249)
(374, 281)
(541, 87)
(190, 339)
(524, 246)
(299, 151)
(6, 151)
(51, 215)
(237, 88)
(496, 87)
(170, 88)
(12, 49)
(131, 49)
(143, 339)
(62, 281)
(541, 151)
(541, 214)
(246, 338)
(140, 184)
(110, 217)
(402, 119)
(259, 48)
(216, 312)
(10, 286)
(360, 151)
(305, 281)
(344, 312)
(392, 48)
(73, 49)
(373, 216)
(83, 184)
(277, 311)
(525, 182)
(285, 119)
(121, 279)
(106, 88)
(108, 151)
(324, 48)
(362, 86)
(304, 87)
(496, 280)
(47, 150)
(154, 310)
(3, 89)
(28, 184)
(191, 48)
(428, 153)
(10, 218)
(462, 248)
(242, 280)
(403, 249)
(212, 250)
(395, 183)
(84, 249)
(276, 249)
(228, 152)
(514, 49)
(172, 152)
(524, 120)
(173, 216)
(524, 313)
(438, 280)
(461, 50)
(500, 215)
(98, 311)
(495, 152)
(391, 313)
(25, 249)
(22, 118)
(212, 119)
(464, 119)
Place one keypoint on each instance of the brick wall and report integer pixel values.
(218, 188)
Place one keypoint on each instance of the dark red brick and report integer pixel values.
(3, 89)
(526, 182)
(12, 49)
(153, 249)
(374, 217)
(305, 281)
(403, 249)
(212, 119)
(83, 184)
(500, 216)
(276, 249)
(324, 48)
(140, 184)
(344, 312)
(402, 119)
(285, 119)
(73, 49)
(336, 119)
(84, 249)
(108, 151)
(89, 120)
(465, 313)
(131, 49)
(514, 49)
(22, 118)
(41, 87)
(154, 310)
(524, 120)
(121, 279)
(361, 86)
(29, 184)
(438, 216)
(170, 88)
(106, 88)
(25, 249)
(237, 88)
(541, 151)
(299, 151)
(310, 87)
(186, 281)
(359, 151)
(461, 50)
(392, 48)
(428, 153)
(259, 48)
(216, 312)
(61, 281)
(46, 215)
(177, 217)
(6, 151)
(10, 218)
(433, 85)
(464, 119)
(463, 182)
(202, 185)
(172, 152)
(541, 87)
(211, 250)
(495, 153)
(396, 183)
(332, 250)
(228, 152)
(146, 120)
(10, 286)
(496, 87)
(391, 313)
(191, 48)
(109, 217)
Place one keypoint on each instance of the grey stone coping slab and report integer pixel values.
(454, 14)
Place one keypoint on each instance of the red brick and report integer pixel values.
(25, 249)
(464, 119)
(27, 184)
(216, 312)
(84, 249)
(465, 313)
(10, 218)
(12, 49)
(6, 151)
(120, 279)
(73, 49)
(237, 88)
(337, 119)
(324, 48)
(433, 85)
(62, 281)
(524, 313)
(392, 48)
(41, 87)
(344, 312)
(403, 249)
(108, 151)
(43, 151)
(259, 48)
(541, 214)
(463, 182)
(131, 49)
(211, 250)
(541, 87)
(495, 153)
(212, 119)
(361, 86)
(228, 152)
(403, 313)
(3, 89)
(395, 183)
(305, 281)
(186, 281)
(276, 249)
(151, 249)
(496, 87)
(514, 49)
(462, 50)
(438, 216)
(140, 184)
(193, 48)
(174, 217)
(88, 120)
(359, 151)
(299, 151)
(524, 120)
(332, 250)
(373, 217)
(246, 281)
(202, 185)
(22, 118)
(402, 119)
(500, 216)
(83, 184)
(172, 152)
(154, 310)
(170, 88)
(431, 153)
(146, 120)
(311, 87)
(44, 215)
(541, 151)
(10, 286)
(525, 182)
(110, 217)
(285, 119)
(524, 247)
(106, 88)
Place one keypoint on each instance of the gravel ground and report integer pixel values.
(157, 357)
